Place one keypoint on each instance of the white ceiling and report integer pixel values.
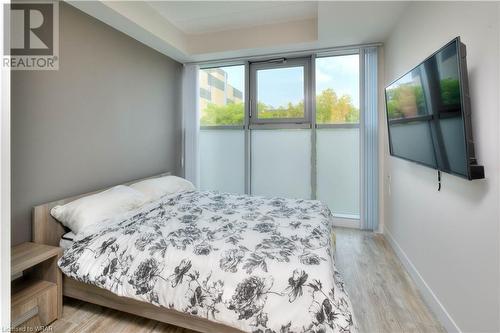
(200, 17)
(209, 30)
(357, 22)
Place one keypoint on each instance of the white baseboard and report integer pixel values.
(428, 295)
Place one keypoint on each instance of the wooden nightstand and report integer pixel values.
(36, 297)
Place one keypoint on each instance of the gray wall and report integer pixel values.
(111, 113)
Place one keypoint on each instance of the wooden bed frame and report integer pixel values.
(47, 230)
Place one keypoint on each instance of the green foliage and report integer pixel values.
(329, 109)
(229, 114)
(333, 109)
(290, 111)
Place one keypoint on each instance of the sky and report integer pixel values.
(340, 73)
(279, 86)
(236, 76)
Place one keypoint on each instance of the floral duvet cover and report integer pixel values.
(253, 263)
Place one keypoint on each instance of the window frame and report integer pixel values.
(254, 120)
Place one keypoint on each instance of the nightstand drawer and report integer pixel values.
(36, 301)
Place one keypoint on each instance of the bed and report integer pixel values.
(211, 262)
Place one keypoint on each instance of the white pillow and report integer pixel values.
(81, 213)
(155, 188)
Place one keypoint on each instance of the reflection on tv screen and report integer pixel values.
(425, 113)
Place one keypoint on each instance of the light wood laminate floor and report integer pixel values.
(383, 295)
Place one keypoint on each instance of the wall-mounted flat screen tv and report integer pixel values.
(429, 114)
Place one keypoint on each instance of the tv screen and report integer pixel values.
(428, 113)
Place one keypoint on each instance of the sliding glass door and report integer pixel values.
(296, 133)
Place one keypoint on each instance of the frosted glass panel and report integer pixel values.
(281, 163)
(222, 160)
(338, 169)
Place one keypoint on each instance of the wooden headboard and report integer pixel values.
(45, 229)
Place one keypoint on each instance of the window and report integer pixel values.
(337, 89)
(337, 135)
(222, 96)
(222, 137)
(276, 151)
(279, 91)
(205, 94)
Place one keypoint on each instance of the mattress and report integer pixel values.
(253, 263)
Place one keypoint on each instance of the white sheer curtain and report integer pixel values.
(370, 200)
(191, 124)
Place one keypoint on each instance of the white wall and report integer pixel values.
(4, 189)
(449, 240)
